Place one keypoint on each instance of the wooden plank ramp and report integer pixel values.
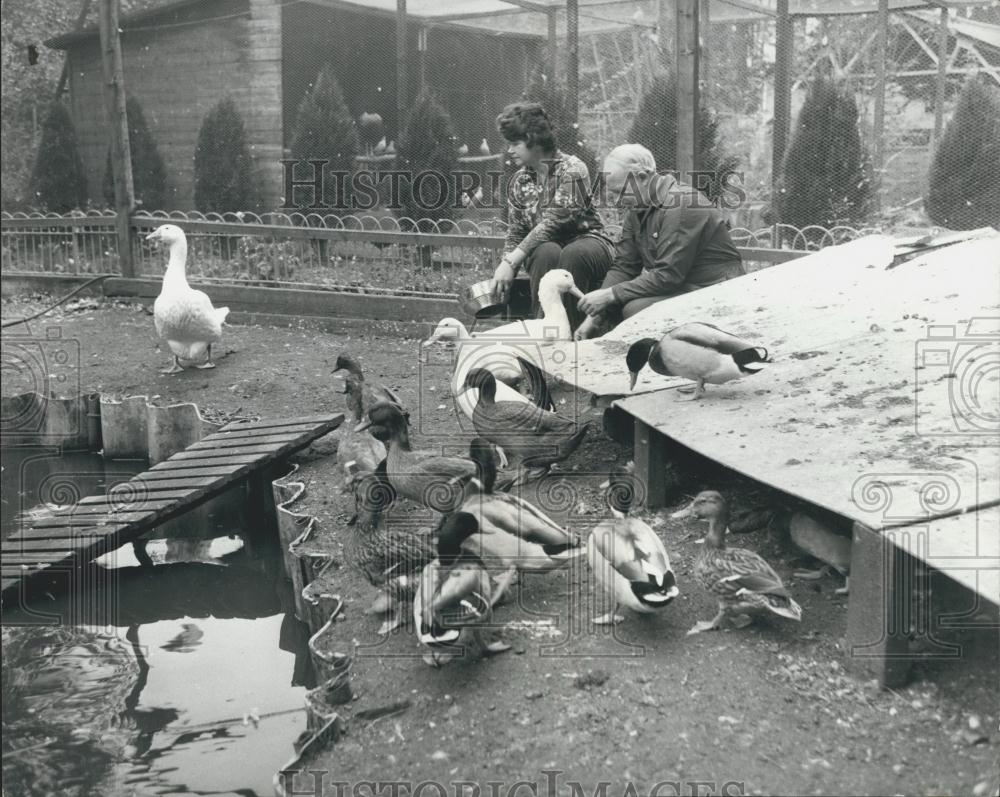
(70, 536)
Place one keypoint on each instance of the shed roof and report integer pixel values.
(530, 16)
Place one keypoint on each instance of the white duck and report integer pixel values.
(184, 317)
(554, 325)
(472, 352)
(628, 560)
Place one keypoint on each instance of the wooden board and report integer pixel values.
(885, 422)
(78, 533)
(810, 304)
(966, 547)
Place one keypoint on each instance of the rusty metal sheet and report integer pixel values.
(889, 420)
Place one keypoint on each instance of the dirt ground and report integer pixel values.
(768, 709)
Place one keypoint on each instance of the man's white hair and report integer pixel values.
(631, 158)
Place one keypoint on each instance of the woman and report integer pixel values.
(552, 220)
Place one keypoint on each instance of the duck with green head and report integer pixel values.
(627, 558)
(454, 602)
(697, 351)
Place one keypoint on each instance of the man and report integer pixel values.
(673, 241)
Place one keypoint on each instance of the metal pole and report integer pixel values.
(572, 59)
(553, 46)
(783, 51)
(942, 74)
(878, 126)
(687, 88)
(401, 67)
(121, 155)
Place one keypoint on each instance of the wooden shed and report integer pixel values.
(183, 56)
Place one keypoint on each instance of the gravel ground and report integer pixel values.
(769, 709)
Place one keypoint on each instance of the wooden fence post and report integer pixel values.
(688, 91)
(121, 154)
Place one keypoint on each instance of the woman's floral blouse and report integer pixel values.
(558, 208)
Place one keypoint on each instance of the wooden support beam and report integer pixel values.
(121, 154)
(664, 16)
(878, 619)
(553, 54)
(878, 123)
(422, 57)
(64, 75)
(649, 455)
(573, 59)
(688, 92)
(402, 105)
(704, 26)
(940, 82)
(781, 124)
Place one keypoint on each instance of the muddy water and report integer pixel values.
(184, 677)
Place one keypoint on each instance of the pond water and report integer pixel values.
(187, 677)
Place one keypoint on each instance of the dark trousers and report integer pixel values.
(587, 259)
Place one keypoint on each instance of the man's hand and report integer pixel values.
(503, 279)
(596, 302)
(589, 328)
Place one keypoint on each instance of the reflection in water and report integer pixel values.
(106, 706)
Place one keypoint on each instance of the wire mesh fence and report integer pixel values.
(369, 253)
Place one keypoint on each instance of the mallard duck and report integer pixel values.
(184, 317)
(537, 437)
(390, 558)
(696, 351)
(498, 358)
(422, 476)
(357, 452)
(743, 582)
(372, 393)
(455, 598)
(512, 532)
(554, 324)
(822, 543)
(628, 560)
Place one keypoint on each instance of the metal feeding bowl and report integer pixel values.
(478, 300)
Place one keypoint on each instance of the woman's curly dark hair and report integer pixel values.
(527, 122)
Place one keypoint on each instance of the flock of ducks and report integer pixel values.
(456, 574)
(487, 534)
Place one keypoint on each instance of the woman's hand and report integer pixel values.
(596, 302)
(503, 279)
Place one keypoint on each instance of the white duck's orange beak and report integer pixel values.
(576, 292)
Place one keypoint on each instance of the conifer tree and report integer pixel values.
(223, 169)
(427, 153)
(58, 183)
(655, 127)
(826, 175)
(325, 130)
(964, 182)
